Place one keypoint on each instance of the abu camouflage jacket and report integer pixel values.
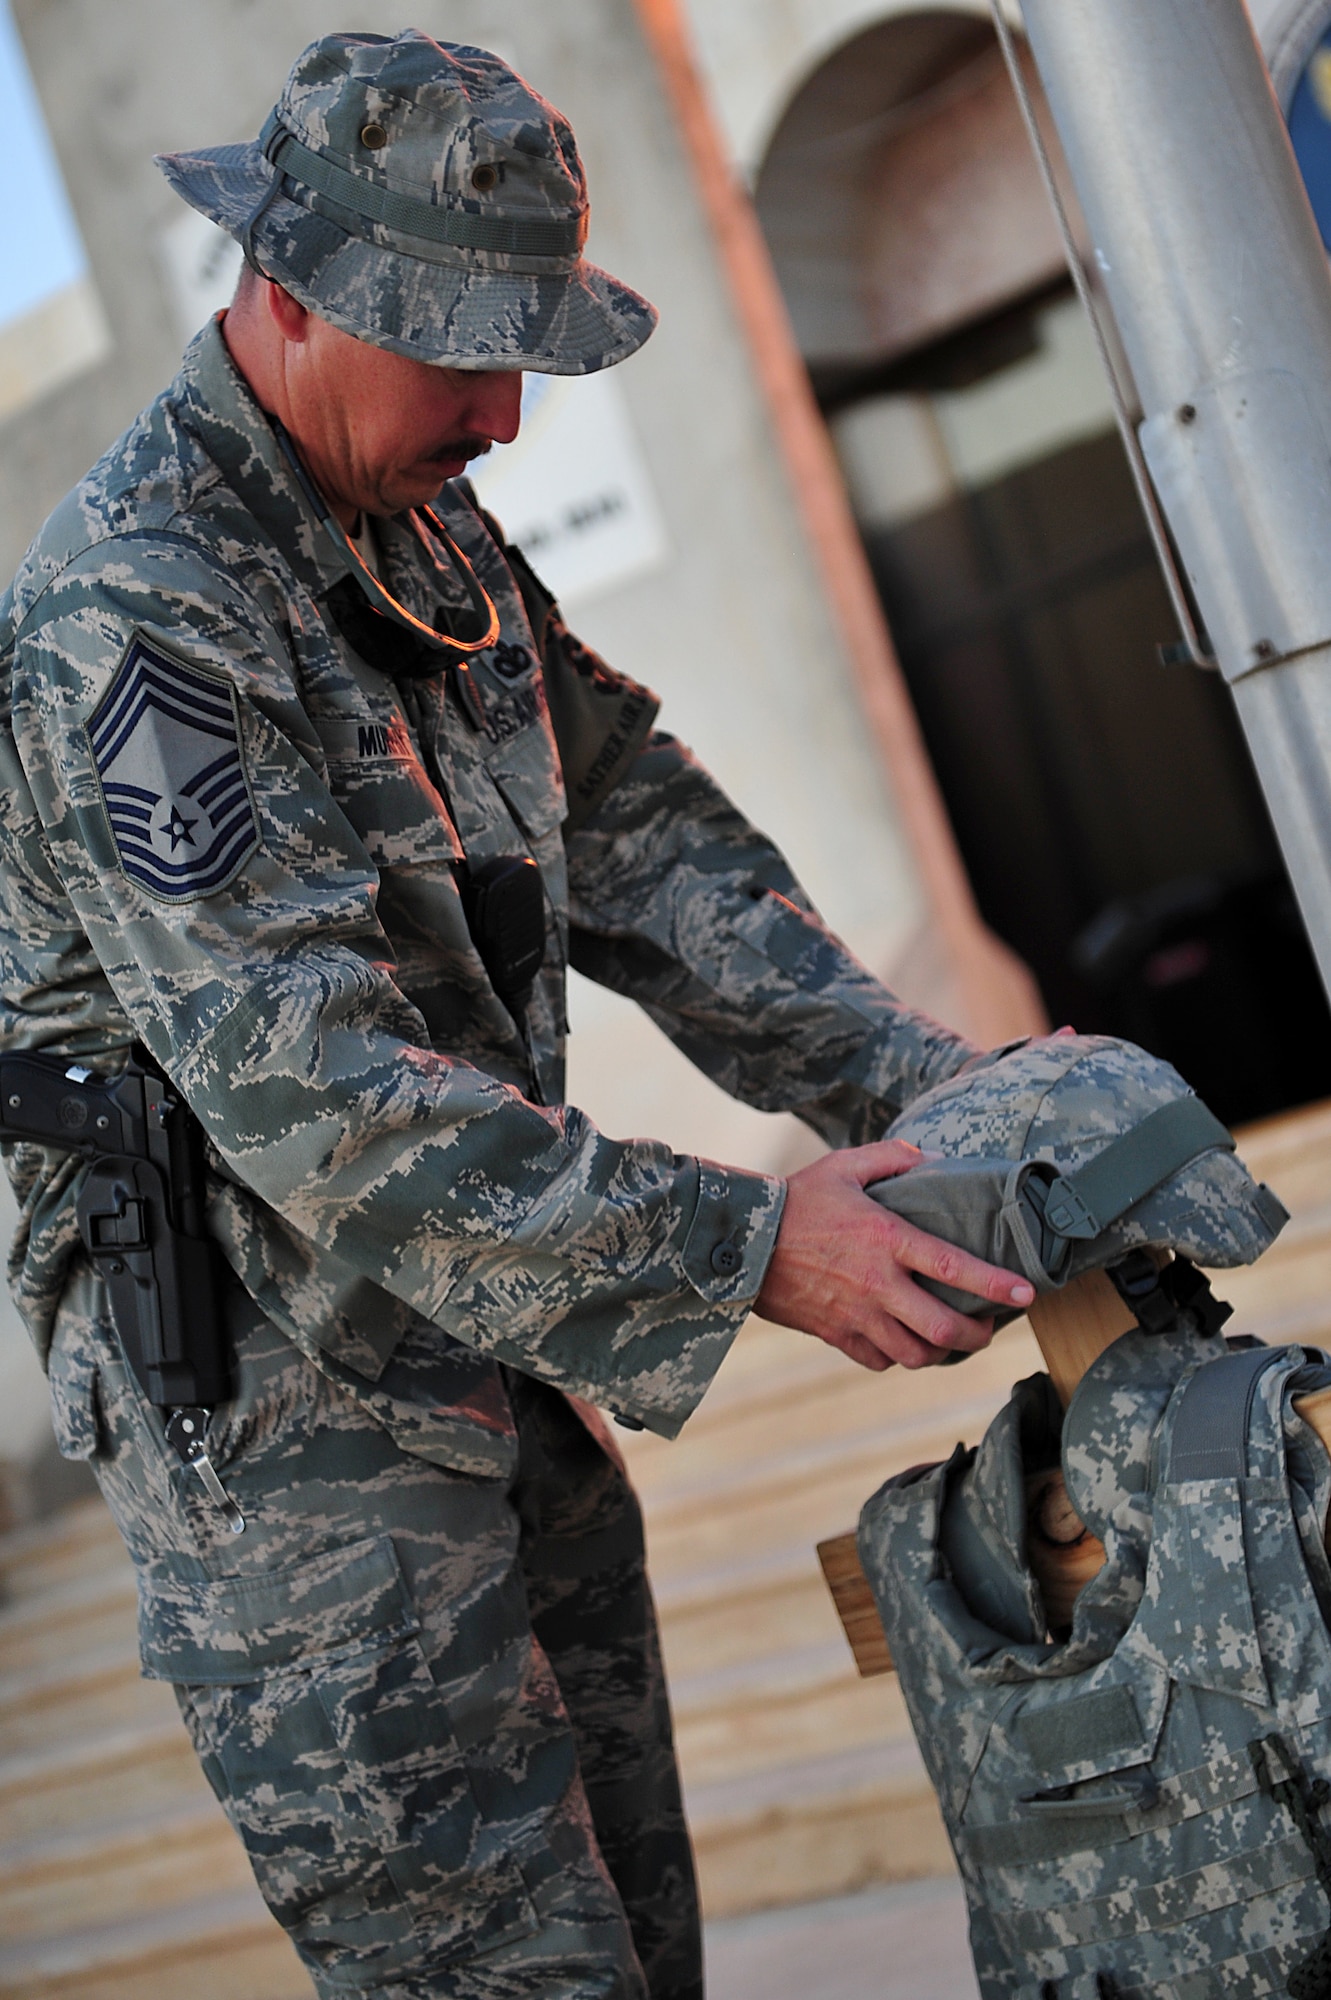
(1135, 1806)
(226, 833)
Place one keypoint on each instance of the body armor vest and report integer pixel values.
(1135, 1804)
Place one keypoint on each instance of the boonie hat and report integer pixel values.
(420, 196)
(1061, 1155)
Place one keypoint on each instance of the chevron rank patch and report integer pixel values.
(166, 743)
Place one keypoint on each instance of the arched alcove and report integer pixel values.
(1103, 802)
(898, 194)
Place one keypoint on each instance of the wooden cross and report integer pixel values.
(1072, 1328)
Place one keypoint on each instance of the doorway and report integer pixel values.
(1104, 803)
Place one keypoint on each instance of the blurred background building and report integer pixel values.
(860, 514)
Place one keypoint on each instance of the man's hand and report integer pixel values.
(842, 1268)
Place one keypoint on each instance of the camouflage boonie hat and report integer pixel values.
(1061, 1155)
(421, 197)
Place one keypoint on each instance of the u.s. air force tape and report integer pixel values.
(166, 745)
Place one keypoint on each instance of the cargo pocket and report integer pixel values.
(525, 771)
(331, 1747)
(75, 1407)
(1072, 1754)
(1066, 1771)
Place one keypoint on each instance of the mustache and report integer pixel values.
(466, 447)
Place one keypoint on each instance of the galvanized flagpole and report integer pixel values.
(1211, 261)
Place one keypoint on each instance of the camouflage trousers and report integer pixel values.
(430, 1703)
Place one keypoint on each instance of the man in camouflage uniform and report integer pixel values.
(270, 719)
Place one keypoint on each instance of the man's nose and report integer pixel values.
(494, 406)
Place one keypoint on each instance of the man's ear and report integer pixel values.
(288, 315)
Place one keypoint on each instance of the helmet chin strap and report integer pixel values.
(438, 544)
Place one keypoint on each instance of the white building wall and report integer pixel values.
(756, 54)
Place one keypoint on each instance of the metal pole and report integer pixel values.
(1216, 275)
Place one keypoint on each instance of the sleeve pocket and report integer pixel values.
(333, 1750)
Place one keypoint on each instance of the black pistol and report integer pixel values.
(140, 1213)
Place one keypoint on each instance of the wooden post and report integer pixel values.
(1072, 1328)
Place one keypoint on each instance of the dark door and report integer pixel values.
(1104, 803)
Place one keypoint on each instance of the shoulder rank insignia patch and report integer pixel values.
(166, 743)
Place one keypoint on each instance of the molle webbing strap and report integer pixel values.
(411, 215)
(1083, 1204)
(1192, 1896)
(1210, 1439)
(1053, 1830)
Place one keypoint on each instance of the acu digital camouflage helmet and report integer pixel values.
(421, 197)
(1061, 1155)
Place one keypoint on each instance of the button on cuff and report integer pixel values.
(730, 1238)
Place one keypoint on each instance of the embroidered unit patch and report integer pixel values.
(166, 743)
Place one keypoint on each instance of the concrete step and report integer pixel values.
(112, 1869)
(741, 1728)
(803, 1395)
(902, 1943)
(752, 1488)
(120, 1879)
(1287, 1296)
(88, 1780)
(222, 1946)
(1291, 1151)
(86, 1694)
(78, 1542)
(744, 1611)
(86, 1613)
(820, 1828)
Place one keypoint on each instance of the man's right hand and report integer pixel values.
(844, 1269)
